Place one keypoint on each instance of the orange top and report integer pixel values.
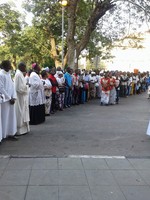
(105, 83)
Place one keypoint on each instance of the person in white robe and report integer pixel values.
(0, 126)
(36, 97)
(1, 100)
(8, 114)
(22, 105)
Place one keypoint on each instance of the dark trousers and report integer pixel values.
(76, 95)
(123, 90)
(117, 95)
(53, 102)
(67, 101)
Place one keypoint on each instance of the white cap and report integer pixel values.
(46, 69)
(59, 72)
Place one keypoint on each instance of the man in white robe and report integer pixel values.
(8, 114)
(1, 100)
(36, 97)
(21, 105)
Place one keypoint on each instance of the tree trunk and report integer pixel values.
(53, 52)
(70, 56)
(100, 9)
(72, 4)
(14, 63)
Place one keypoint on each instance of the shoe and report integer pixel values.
(52, 112)
(14, 138)
(47, 115)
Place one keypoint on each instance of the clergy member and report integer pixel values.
(21, 105)
(8, 114)
(1, 100)
(36, 97)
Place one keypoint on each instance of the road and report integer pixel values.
(89, 129)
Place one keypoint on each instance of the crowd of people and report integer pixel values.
(28, 97)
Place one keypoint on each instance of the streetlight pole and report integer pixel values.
(62, 56)
(75, 53)
(63, 4)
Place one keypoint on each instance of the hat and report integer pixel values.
(59, 73)
(93, 73)
(34, 65)
(46, 69)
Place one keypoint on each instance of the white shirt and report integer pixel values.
(60, 81)
(36, 93)
(47, 84)
(75, 80)
(93, 79)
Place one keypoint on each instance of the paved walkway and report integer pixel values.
(77, 178)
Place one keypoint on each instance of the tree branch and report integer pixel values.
(101, 8)
(135, 4)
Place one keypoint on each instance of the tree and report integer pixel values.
(10, 28)
(83, 17)
(98, 16)
(18, 41)
(47, 19)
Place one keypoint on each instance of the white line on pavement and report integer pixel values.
(96, 156)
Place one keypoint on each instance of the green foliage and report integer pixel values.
(9, 21)
(48, 62)
(47, 15)
(4, 53)
(10, 29)
(28, 44)
(33, 43)
(83, 10)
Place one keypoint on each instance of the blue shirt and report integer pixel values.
(148, 80)
(68, 79)
(87, 78)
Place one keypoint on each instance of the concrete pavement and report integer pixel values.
(77, 178)
(74, 179)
